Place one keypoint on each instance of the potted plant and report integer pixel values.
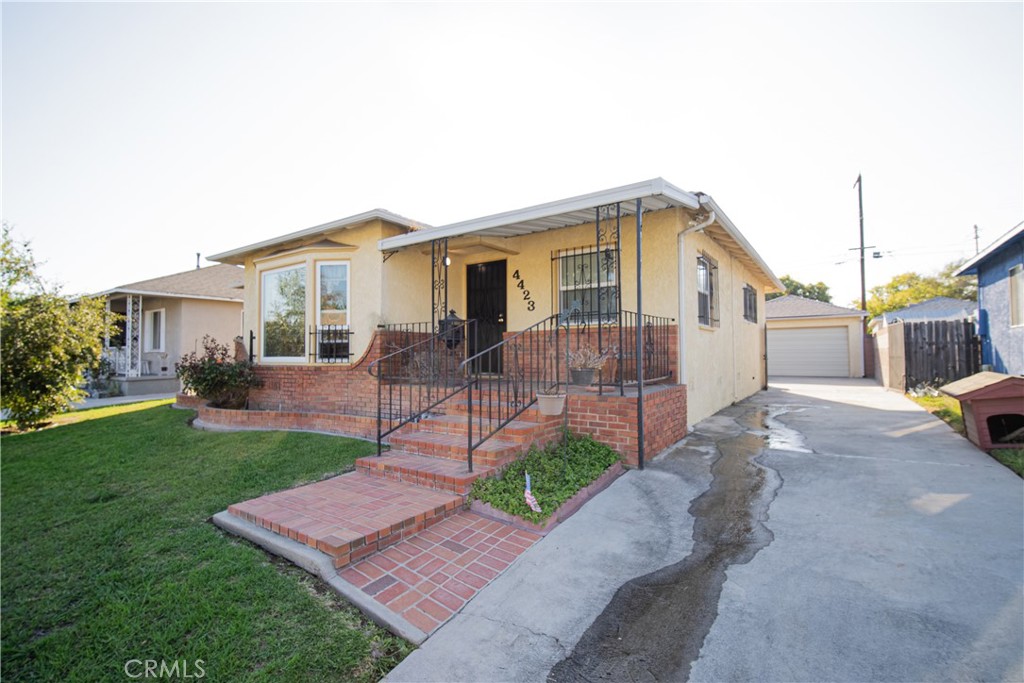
(550, 401)
(584, 362)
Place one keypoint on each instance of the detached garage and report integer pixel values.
(808, 338)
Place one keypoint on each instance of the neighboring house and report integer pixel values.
(810, 338)
(935, 309)
(322, 302)
(166, 317)
(1000, 271)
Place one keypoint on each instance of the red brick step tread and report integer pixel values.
(350, 516)
(437, 473)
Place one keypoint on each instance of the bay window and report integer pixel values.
(284, 313)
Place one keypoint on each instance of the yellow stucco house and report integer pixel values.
(352, 322)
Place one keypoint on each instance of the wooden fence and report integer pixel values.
(939, 352)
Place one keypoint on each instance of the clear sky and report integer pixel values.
(135, 135)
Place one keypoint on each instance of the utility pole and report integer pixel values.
(976, 239)
(863, 288)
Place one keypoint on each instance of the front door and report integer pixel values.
(486, 303)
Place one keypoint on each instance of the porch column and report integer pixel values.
(106, 333)
(439, 262)
(133, 335)
(640, 331)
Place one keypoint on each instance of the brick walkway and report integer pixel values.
(428, 578)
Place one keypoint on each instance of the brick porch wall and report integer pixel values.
(326, 388)
(613, 420)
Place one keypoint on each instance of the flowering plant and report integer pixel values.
(216, 377)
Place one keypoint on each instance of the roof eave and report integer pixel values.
(971, 267)
(648, 188)
(237, 256)
(735, 234)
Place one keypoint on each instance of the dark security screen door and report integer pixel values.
(485, 303)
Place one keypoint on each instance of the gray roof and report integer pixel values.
(938, 308)
(793, 306)
(213, 282)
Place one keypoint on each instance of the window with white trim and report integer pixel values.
(284, 313)
(155, 333)
(332, 293)
(1016, 296)
(588, 277)
(707, 291)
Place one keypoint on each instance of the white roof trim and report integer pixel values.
(324, 228)
(161, 295)
(553, 214)
(970, 268)
(734, 232)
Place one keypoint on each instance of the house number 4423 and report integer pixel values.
(531, 305)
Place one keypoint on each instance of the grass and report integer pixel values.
(108, 555)
(947, 409)
(1012, 458)
(553, 480)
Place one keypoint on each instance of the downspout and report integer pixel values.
(694, 226)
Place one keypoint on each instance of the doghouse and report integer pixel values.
(993, 408)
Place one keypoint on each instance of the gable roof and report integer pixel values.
(971, 267)
(936, 308)
(220, 282)
(793, 306)
(237, 256)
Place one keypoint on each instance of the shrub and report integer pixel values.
(216, 377)
(555, 477)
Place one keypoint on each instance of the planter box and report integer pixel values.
(565, 510)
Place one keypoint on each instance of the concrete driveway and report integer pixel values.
(822, 530)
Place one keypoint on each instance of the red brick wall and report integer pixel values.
(324, 388)
(613, 420)
(331, 423)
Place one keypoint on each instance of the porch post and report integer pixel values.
(106, 319)
(639, 332)
(133, 335)
(439, 281)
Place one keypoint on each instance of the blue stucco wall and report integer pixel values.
(1004, 345)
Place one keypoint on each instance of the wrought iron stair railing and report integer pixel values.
(531, 363)
(417, 378)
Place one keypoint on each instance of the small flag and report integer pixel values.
(530, 500)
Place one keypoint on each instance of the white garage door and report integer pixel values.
(809, 352)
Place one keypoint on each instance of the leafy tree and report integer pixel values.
(46, 342)
(912, 288)
(817, 290)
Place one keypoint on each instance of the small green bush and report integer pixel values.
(555, 477)
(216, 377)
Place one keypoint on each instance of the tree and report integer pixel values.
(46, 342)
(817, 290)
(912, 288)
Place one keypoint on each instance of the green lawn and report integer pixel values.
(108, 555)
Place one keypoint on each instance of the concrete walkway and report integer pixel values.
(897, 553)
(119, 400)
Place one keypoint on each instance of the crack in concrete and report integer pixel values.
(655, 625)
(500, 622)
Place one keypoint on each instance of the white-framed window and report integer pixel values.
(588, 277)
(707, 291)
(749, 303)
(332, 306)
(1016, 296)
(283, 311)
(155, 334)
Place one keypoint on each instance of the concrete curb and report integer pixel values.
(320, 565)
(208, 427)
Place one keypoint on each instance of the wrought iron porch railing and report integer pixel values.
(397, 336)
(533, 360)
(417, 378)
(657, 349)
(330, 344)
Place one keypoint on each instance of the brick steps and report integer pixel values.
(494, 452)
(440, 474)
(351, 516)
(516, 431)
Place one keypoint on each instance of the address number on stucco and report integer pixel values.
(531, 305)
